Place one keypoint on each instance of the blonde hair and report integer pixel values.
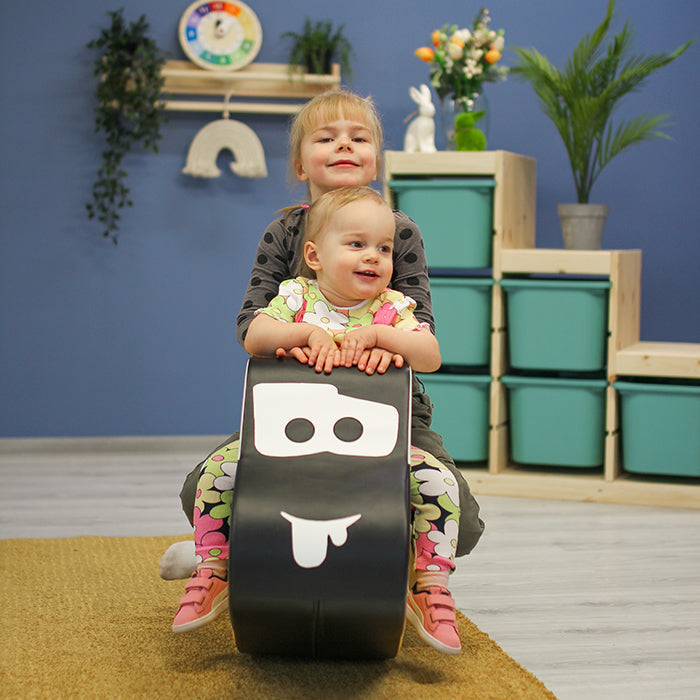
(327, 107)
(321, 210)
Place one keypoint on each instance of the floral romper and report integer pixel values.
(434, 493)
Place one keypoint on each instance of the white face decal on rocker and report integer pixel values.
(300, 418)
(310, 537)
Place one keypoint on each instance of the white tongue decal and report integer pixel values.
(310, 537)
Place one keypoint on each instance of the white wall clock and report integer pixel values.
(220, 35)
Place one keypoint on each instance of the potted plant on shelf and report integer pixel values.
(317, 45)
(580, 101)
(461, 62)
(128, 112)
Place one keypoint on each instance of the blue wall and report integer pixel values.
(139, 338)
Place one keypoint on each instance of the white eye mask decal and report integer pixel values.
(323, 409)
(310, 537)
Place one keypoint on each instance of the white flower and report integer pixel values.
(472, 68)
(293, 293)
(445, 542)
(498, 43)
(226, 482)
(433, 483)
(463, 34)
(402, 304)
(455, 51)
(324, 317)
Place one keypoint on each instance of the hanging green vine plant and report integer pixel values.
(128, 112)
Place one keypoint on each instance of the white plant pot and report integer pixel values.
(582, 225)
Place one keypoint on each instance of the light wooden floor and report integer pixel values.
(599, 601)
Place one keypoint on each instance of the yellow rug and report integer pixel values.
(89, 618)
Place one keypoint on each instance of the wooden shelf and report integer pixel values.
(284, 91)
(645, 359)
(558, 261)
(583, 487)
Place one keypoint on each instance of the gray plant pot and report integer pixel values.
(582, 225)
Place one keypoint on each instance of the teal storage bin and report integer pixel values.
(555, 421)
(455, 217)
(462, 312)
(461, 413)
(660, 427)
(557, 324)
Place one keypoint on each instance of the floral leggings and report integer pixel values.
(434, 498)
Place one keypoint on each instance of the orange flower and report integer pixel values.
(435, 37)
(492, 56)
(425, 53)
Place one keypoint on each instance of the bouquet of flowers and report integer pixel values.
(462, 60)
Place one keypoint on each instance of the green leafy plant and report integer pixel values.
(316, 46)
(581, 98)
(128, 112)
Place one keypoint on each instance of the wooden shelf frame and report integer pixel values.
(284, 91)
(514, 253)
(649, 359)
(623, 268)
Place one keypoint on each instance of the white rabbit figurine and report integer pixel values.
(420, 134)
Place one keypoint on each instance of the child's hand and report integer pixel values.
(355, 342)
(301, 354)
(323, 352)
(360, 347)
(378, 360)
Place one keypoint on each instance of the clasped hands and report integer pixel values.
(356, 346)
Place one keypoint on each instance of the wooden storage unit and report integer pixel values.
(623, 269)
(625, 356)
(272, 81)
(514, 253)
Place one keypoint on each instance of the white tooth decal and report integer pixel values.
(310, 537)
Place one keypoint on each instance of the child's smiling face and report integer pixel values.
(337, 153)
(352, 256)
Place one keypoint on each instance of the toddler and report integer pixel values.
(339, 311)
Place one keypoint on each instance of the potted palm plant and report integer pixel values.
(317, 45)
(580, 100)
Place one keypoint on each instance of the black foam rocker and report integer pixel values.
(321, 515)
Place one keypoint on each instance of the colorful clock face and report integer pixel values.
(220, 35)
